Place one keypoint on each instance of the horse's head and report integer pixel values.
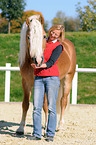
(35, 38)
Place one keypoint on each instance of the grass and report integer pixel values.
(86, 88)
(85, 44)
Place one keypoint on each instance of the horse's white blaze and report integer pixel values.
(35, 39)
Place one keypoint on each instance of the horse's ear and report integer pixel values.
(27, 21)
(41, 19)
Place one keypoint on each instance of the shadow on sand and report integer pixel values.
(5, 128)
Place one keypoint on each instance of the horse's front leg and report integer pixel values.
(25, 106)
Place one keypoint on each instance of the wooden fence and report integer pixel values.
(8, 70)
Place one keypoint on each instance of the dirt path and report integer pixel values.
(79, 128)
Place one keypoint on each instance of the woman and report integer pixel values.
(47, 80)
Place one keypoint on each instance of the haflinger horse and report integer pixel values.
(32, 45)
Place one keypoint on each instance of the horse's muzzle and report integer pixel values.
(35, 61)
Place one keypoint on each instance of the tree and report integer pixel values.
(59, 19)
(3, 25)
(45, 25)
(12, 9)
(16, 24)
(72, 24)
(87, 15)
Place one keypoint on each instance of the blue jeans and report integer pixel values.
(50, 85)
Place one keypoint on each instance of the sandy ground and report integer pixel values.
(79, 127)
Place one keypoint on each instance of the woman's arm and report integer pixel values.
(54, 56)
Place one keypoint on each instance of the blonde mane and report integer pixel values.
(35, 39)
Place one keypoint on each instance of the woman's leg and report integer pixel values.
(38, 96)
(52, 88)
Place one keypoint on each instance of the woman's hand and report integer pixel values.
(34, 66)
(37, 67)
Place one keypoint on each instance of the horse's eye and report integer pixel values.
(44, 36)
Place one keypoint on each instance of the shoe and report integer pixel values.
(34, 138)
(49, 138)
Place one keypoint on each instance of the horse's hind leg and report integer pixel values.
(63, 101)
(25, 106)
(45, 108)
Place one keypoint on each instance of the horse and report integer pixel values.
(66, 65)
(32, 45)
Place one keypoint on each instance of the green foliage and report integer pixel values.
(12, 9)
(46, 26)
(3, 25)
(16, 24)
(59, 19)
(85, 44)
(87, 15)
(70, 23)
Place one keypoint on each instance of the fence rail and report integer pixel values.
(8, 70)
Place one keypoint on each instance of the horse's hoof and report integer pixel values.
(19, 133)
(20, 130)
(45, 135)
(57, 130)
(61, 127)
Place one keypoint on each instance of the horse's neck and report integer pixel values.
(27, 57)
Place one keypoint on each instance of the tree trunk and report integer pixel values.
(9, 27)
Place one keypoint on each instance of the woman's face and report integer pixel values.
(54, 35)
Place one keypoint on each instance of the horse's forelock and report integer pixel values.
(35, 38)
(34, 17)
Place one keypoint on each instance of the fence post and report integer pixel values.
(7, 83)
(74, 87)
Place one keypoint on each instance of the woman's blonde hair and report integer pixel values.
(62, 31)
